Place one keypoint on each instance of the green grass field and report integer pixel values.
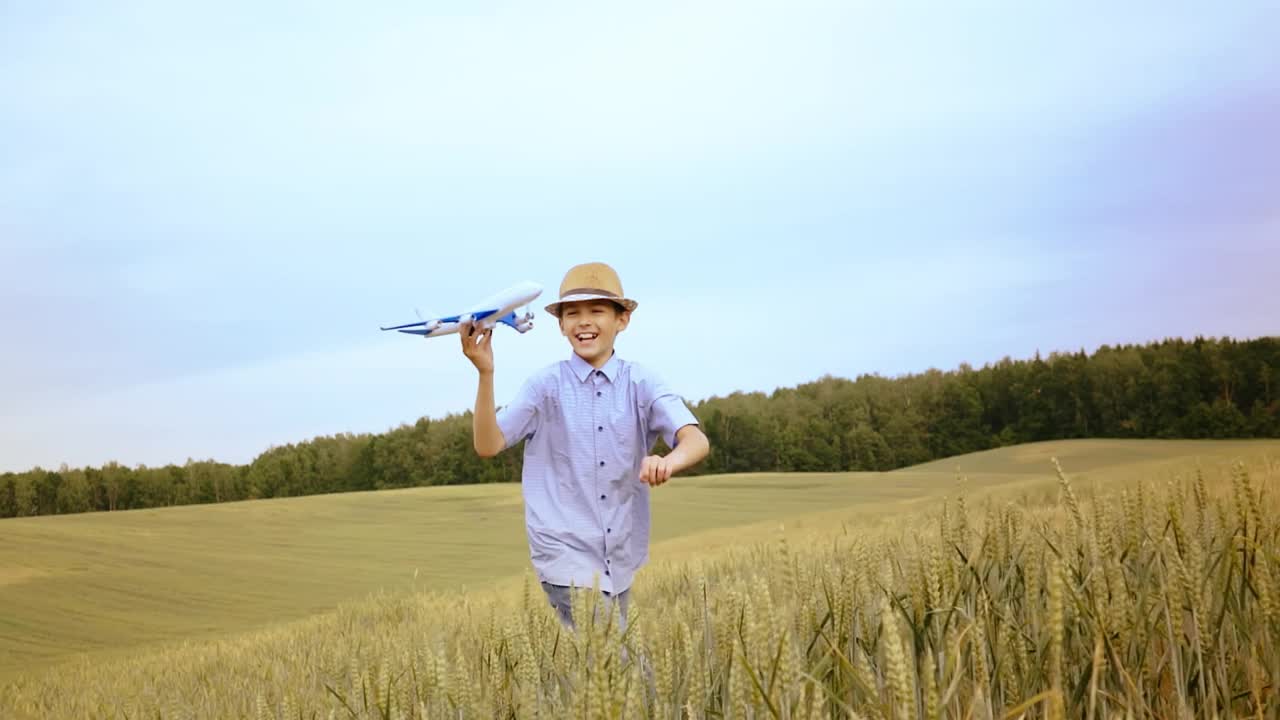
(114, 584)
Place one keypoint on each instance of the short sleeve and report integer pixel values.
(519, 419)
(667, 412)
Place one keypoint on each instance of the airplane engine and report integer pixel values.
(433, 326)
(525, 325)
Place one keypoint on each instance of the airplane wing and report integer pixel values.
(477, 315)
(401, 327)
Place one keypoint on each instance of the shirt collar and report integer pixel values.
(583, 369)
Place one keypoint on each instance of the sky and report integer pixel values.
(208, 209)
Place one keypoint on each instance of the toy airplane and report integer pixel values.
(497, 309)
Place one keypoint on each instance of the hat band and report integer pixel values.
(588, 291)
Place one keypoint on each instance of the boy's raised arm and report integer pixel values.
(477, 345)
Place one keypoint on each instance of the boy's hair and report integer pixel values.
(618, 309)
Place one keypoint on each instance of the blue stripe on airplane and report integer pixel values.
(482, 314)
(474, 316)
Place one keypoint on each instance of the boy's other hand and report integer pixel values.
(477, 345)
(655, 470)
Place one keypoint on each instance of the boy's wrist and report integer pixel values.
(676, 460)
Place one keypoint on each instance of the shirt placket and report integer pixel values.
(599, 414)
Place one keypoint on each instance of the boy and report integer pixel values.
(589, 423)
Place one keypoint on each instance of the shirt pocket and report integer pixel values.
(565, 476)
(640, 428)
(630, 451)
(551, 428)
(629, 435)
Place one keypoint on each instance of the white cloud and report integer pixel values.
(201, 211)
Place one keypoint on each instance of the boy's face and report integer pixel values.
(591, 326)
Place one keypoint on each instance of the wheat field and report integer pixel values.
(112, 584)
(1143, 587)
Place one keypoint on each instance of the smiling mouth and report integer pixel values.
(587, 337)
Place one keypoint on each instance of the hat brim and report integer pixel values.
(554, 308)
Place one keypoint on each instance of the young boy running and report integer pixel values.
(589, 423)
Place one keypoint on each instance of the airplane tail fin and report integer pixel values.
(421, 323)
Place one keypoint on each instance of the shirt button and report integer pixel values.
(599, 394)
(606, 572)
(608, 529)
(600, 428)
(601, 463)
(601, 497)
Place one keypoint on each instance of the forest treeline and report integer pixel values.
(1202, 388)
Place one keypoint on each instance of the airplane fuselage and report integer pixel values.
(498, 308)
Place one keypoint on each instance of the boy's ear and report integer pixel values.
(624, 319)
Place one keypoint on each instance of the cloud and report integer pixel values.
(206, 212)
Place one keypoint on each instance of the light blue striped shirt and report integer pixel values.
(587, 431)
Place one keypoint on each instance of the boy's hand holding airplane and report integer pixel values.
(477, 345)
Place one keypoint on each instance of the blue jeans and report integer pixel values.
(560, 599)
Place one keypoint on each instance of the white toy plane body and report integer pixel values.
(500, 308)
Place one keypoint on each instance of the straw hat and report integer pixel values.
(591, 281)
